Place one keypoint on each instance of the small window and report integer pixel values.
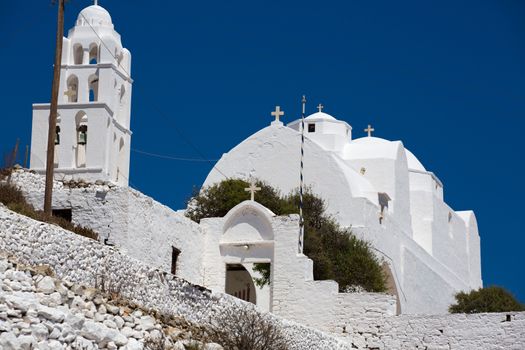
(65, 214)
(174, 257)
(311, 127)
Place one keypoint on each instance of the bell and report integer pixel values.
(57, 135)
(82, 138)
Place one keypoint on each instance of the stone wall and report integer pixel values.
(84, 261)
(40, 312)
(494, 331)
(137, 224)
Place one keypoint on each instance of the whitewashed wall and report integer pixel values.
(134, 222)
(85, 261)
(439, 332)
(437, 255)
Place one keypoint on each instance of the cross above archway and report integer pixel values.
(369, 130)
(252, 189)
(277, 113)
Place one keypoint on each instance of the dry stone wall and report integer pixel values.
(84, 261)
(140, 226)
(494, 331)
(40, 312)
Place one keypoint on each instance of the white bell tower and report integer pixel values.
(93, 127)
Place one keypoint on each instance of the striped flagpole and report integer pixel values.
(301, 218)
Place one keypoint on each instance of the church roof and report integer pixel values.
(94, 15)
(320, 115)
(375, 147)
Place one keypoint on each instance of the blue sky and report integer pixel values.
(445, 77)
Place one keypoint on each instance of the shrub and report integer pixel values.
(490, 299)
(265, 270)
(244, 328)
(14, 199)
(337, 254)
(218, 199)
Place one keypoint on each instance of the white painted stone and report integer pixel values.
(86, 63)
(432, 250)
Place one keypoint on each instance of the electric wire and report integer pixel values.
(162, 156)
(161, 112)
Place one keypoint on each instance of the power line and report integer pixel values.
(172, 157)
(181, 134)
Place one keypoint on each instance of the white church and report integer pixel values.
(376, 187)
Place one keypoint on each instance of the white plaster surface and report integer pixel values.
(85, 261)
(137, 224)
(92, 52)
(416, 232)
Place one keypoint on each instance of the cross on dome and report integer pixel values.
(277, 113)
(320, 108)
(369, 130)
(252, 189)
(96, 3)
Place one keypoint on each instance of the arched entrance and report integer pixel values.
(247, 242)
(239, 283)
(391, 285)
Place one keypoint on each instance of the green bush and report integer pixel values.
(337, 254)
(490, 299)
(13, 199)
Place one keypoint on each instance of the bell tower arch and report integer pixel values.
(95, 84)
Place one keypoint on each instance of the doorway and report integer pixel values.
(239, 283)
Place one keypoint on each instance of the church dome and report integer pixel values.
(320, 115)
(413, 162)
(94, 15)
(376, 147)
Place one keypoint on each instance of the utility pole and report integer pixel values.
(53, 110)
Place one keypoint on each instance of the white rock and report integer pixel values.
(27, 342)
(110, 324)
(147, 323)
(94, 331)
(127, 331)
(46, 285)
(213, 346)
(55, 333)
(4, 265)
(8, 341)
(75, 321)
(5, 326)
(134, 344)
(81, 343)
(51, 314)
(39, 331)
(113, 309)
(119, 322)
